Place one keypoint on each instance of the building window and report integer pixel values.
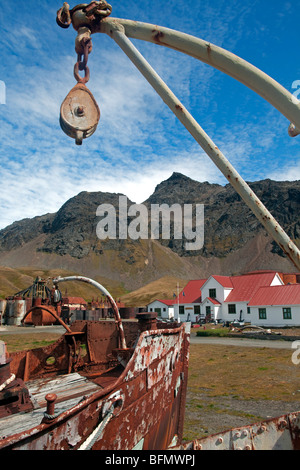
(248, 310)
(262, 313)
(212, 293)
(287, 313)
(164, 309)
(181, 309)
(197, 309)
(150, 309)
(231, 308)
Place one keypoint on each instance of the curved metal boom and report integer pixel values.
(105, 292)
(120, 30)
(217, 57)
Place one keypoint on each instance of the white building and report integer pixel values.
(164, 308)
(187, 306)
(276, 306)
(235, 304)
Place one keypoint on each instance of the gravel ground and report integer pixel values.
(206, 415)
(228, 412)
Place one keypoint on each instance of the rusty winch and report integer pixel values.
(14, 396)
(79, 113)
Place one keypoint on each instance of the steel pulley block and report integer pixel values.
(79, 113)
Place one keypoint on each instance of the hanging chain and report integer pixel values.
(82, 60)
(63, 17)
(100, 9)
(93, 11)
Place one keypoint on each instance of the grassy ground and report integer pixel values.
(15, 342)
(13, 280)
(228, 386)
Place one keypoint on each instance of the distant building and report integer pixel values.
(164, 308)
(187, 306)
(261, 298)
(74, 303)
(276, 306)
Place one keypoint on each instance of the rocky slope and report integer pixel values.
(234, 240)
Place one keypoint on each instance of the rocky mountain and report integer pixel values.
(229, 224)
(234, 240)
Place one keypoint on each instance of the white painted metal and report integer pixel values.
(274, 434)
(120, 30)
(213, 55)
(265, 217)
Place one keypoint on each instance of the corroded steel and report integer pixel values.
(109, 297)
(63, 17)
(14, 396)
(142, 379)
(47, 309)
(209, 53)
(217, 57)
(146, 396)
(79, 113)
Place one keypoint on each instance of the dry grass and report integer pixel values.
(13, 280)
(246, 373)
(163, 288)
(24, 341)
(230, 387)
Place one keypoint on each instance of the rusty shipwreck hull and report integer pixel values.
(87, 393)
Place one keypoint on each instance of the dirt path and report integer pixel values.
(242, 342)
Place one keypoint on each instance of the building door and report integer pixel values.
(208, 314)
(158, 311)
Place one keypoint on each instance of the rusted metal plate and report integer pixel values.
(146, 399)
(2, 353)
(282, 433)
(79, 113)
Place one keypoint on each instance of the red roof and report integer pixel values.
(213, 301)
(277, 295)
(242, 288)
(245, 286)
(167, 302)
(192, 292)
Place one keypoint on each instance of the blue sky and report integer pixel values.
(139, 142)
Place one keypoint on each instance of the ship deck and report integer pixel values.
(69, 388)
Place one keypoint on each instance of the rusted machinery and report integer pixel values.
(14, 395)
(36, 305)
(105, 385)
(102, 385)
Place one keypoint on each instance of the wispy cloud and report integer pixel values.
(138, 142)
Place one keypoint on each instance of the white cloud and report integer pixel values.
(138, 142)
(287, 172)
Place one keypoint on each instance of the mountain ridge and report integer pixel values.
(234, 240)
